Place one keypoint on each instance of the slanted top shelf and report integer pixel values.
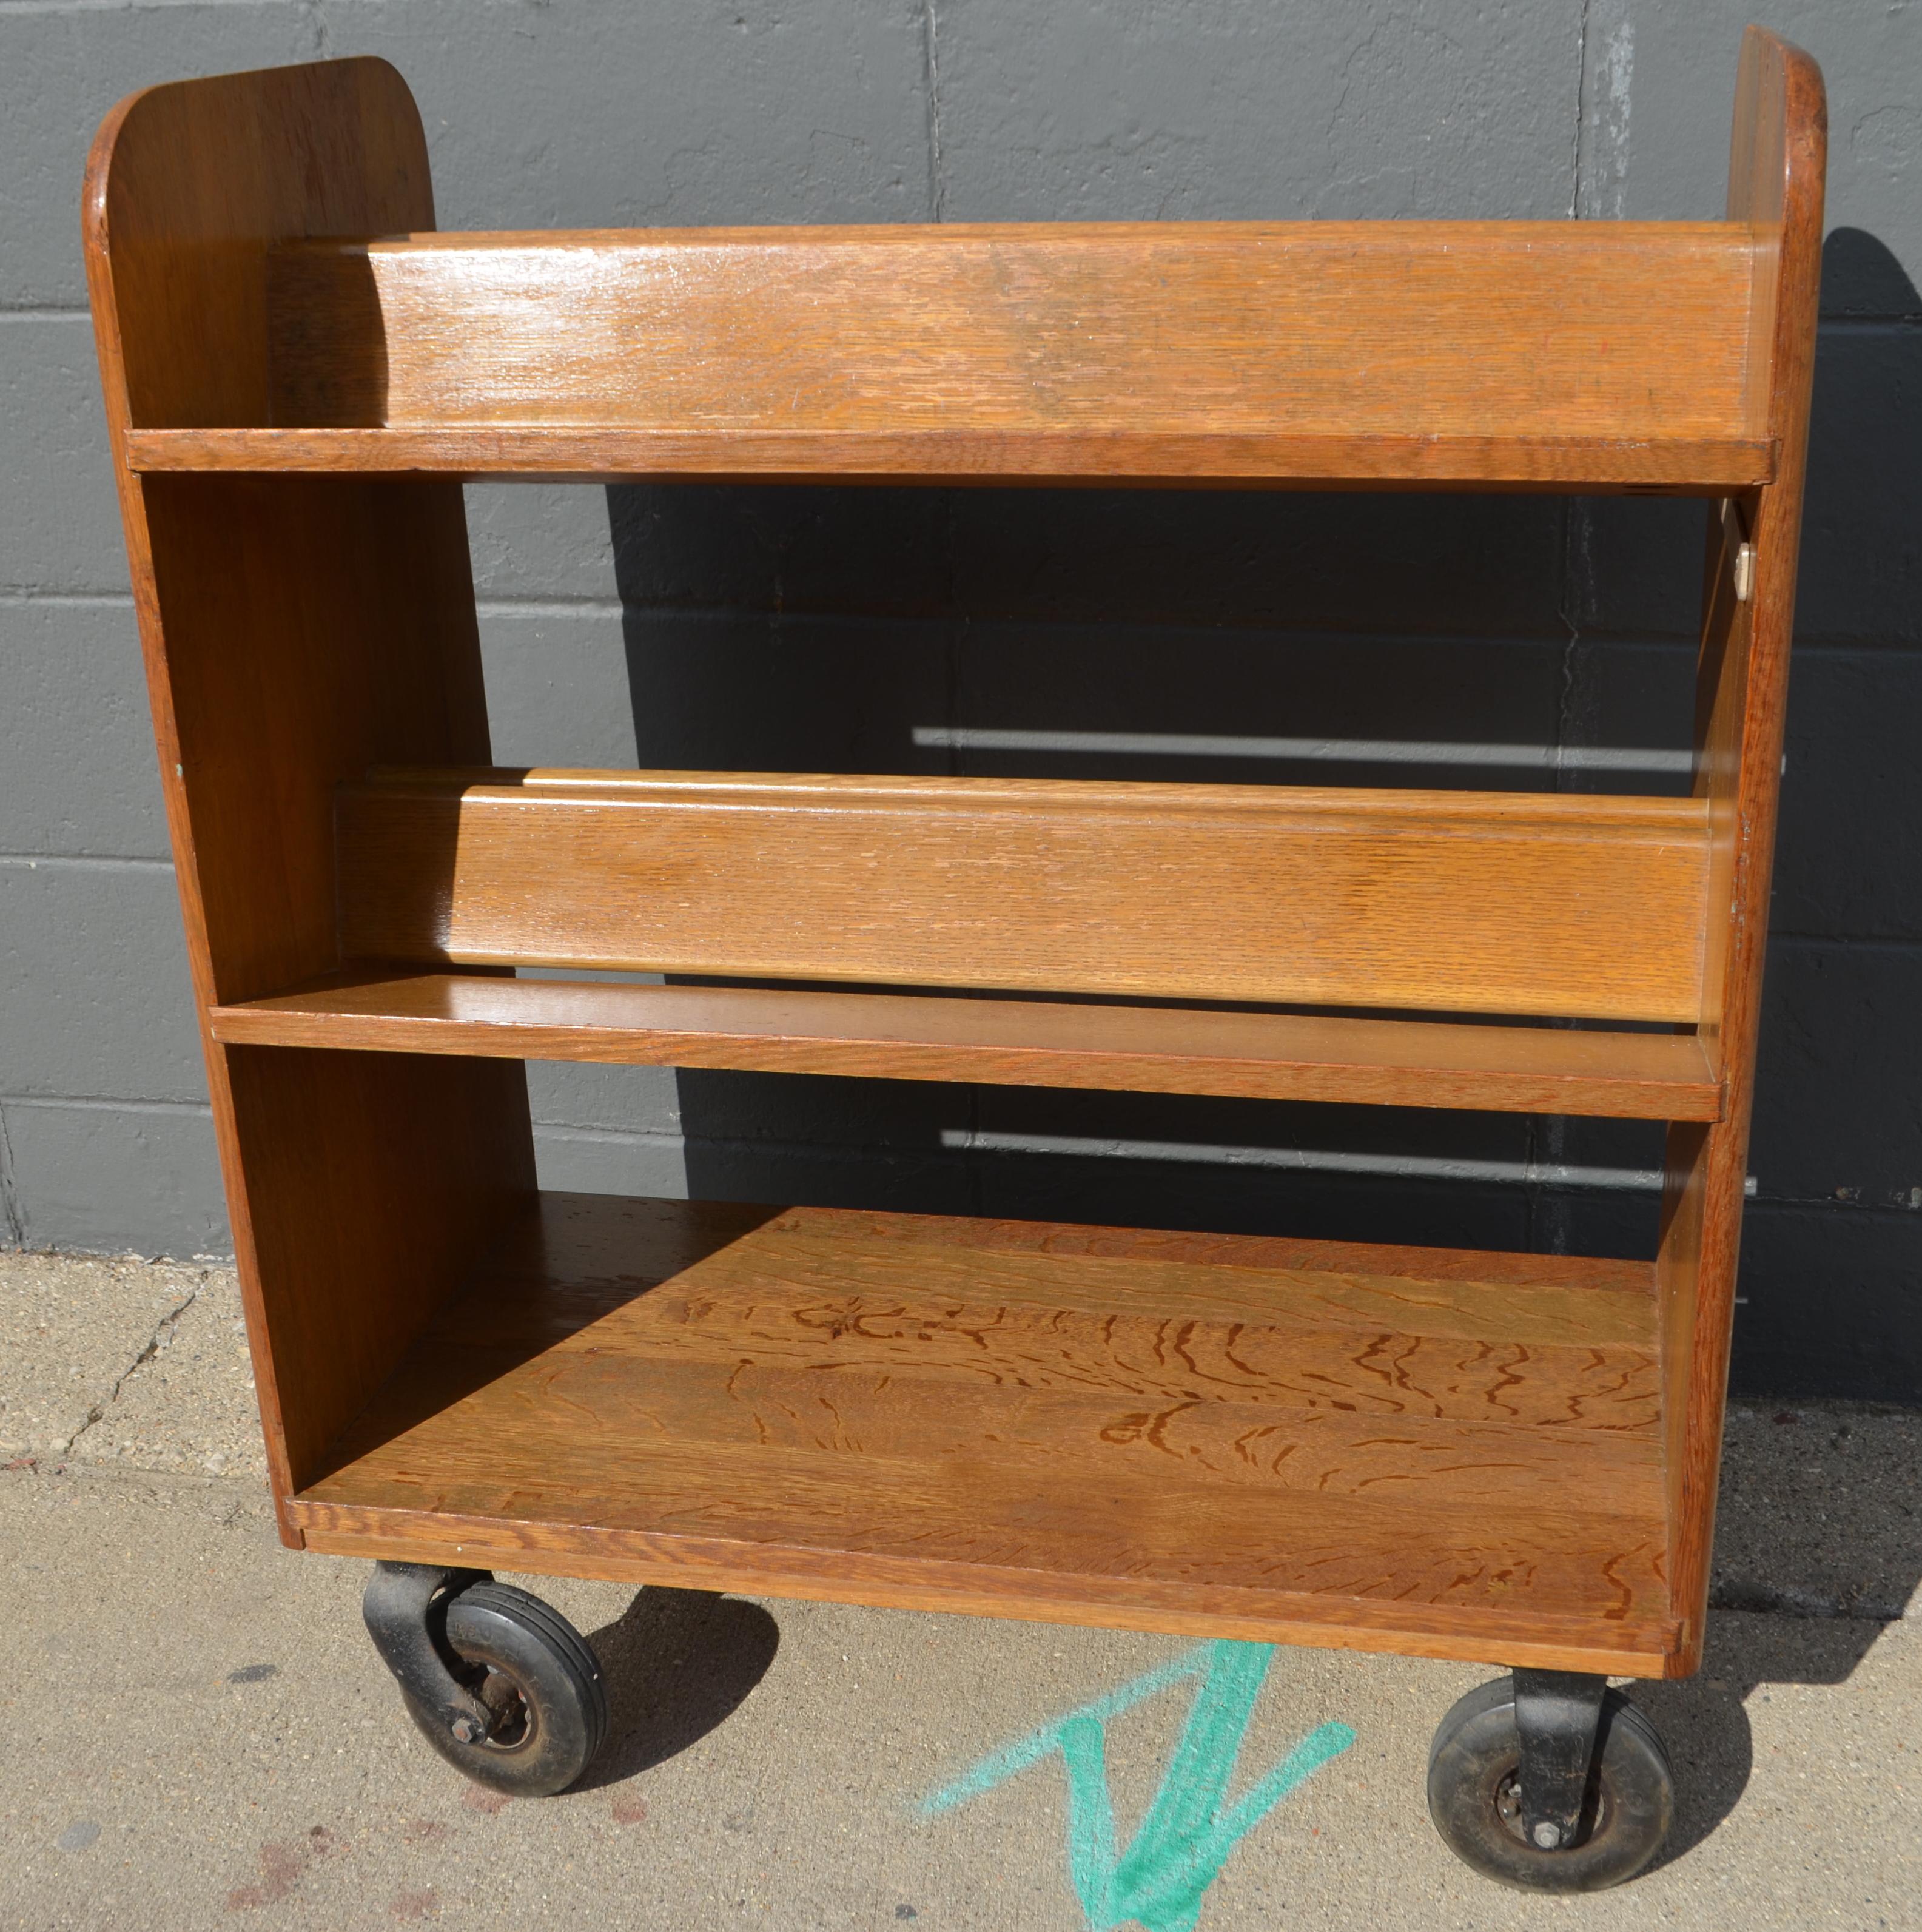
(1586, 355)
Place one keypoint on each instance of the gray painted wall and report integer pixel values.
(828, 629)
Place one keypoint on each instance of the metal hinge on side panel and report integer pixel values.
(1741, 554)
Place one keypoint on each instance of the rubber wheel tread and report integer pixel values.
(561, 1637)
(559, 1678)
(1632, 1797)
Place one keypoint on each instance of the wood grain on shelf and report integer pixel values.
(1508, 902)
(1445, 1274)
(1631, 331)
(1777, 163)
(1082, 1406)
(1526, 354)
(1682, 466)
(293, 629)
(999, 1043)
(1231, 1279)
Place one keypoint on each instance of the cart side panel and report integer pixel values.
(294, 630)
(1776, 177)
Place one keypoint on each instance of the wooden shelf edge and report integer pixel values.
(1000, 1042)
(1098, 457)
(1506, 1638)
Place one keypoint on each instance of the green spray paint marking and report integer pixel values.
(1188, 1833)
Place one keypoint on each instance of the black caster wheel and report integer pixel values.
(500, 1683)
(1474, 1796)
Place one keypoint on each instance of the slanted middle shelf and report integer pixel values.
(1223, 896)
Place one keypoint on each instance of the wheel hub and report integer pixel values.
(1508, 1809)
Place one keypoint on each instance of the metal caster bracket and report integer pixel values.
(398, 1607)
(1556, 1712)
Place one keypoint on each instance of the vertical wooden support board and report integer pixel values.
(1776, 177)
(296, 630)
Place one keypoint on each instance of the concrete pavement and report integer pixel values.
(199, 1735)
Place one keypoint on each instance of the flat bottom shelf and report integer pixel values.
(1431, 1451)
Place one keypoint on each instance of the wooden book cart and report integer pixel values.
(1507, 1457)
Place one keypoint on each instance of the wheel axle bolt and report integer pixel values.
(464, 1729)
(1547, 1836)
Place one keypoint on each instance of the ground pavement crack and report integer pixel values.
(162, 1335)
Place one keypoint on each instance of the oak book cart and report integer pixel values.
(1504, 1457)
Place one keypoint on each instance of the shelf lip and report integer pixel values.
(1018, 1042)
(1705, 465)
(1506, 1638)
(1232, 236)
(1687, 817)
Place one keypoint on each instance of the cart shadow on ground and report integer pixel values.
(678, 1664)
(1818, 1554)
(1704, 1719)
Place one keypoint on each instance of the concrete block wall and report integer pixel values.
(890, 631)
